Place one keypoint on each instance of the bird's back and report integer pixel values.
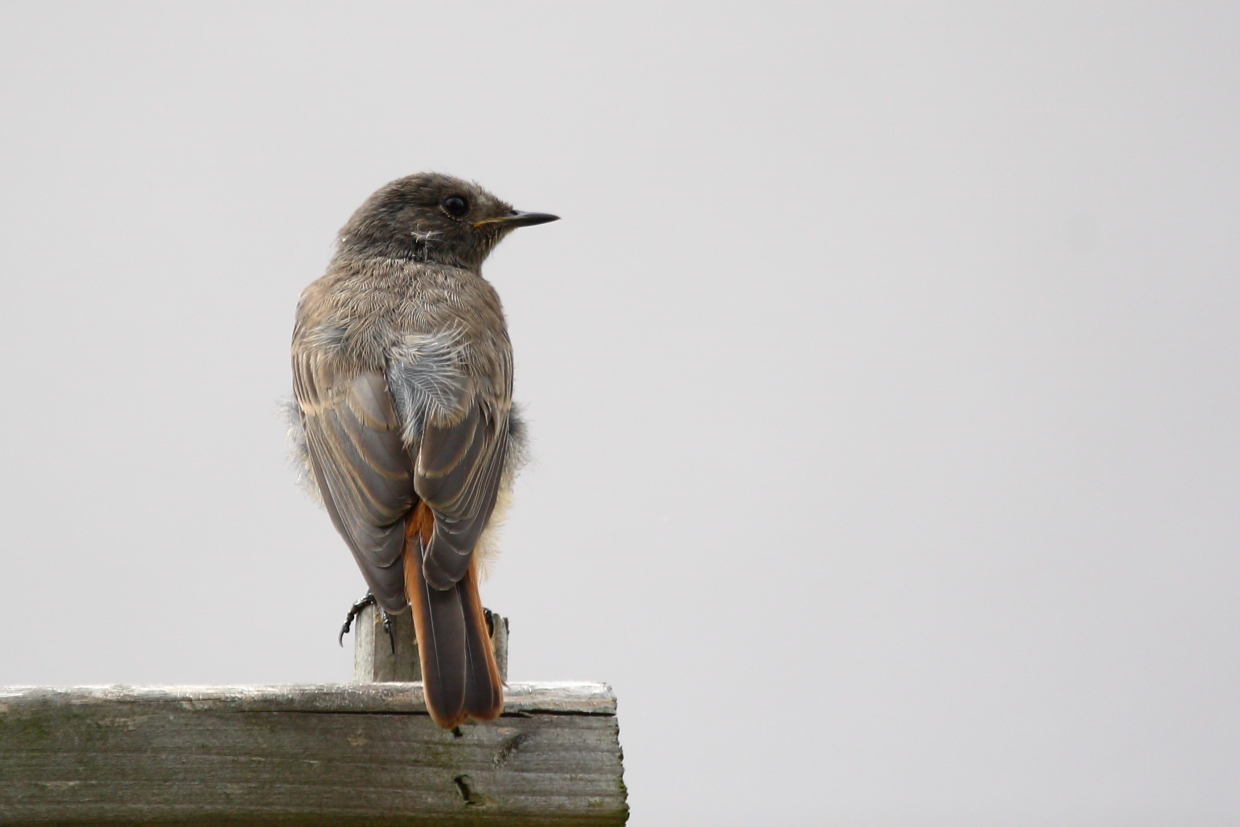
(363, 310)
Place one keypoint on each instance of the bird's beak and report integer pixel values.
(516, 218)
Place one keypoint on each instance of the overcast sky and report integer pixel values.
(883, 376)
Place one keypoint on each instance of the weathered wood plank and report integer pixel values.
(378, 658)
(317, 754)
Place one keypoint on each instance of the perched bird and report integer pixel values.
(402, 376)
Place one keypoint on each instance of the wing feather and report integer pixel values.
(363, 468)
(458, 476)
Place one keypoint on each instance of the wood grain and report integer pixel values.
(306, 754)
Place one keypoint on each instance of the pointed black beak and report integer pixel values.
(516, 218)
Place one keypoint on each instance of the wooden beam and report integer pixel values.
(308, 755)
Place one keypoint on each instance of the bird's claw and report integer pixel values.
(387, 627)
(354, 611)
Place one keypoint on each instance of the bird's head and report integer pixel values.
(433, 217)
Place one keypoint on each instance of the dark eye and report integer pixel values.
(455, 206)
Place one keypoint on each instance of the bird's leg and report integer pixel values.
(490, 616)
(355, 610)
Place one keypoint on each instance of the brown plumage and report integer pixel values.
(402, 373)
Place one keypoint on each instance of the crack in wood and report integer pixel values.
(509, 747)
(472, 799)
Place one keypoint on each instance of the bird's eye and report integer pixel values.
(455, 206)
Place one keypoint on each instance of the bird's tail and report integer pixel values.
(459, 675)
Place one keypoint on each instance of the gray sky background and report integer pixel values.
(883, 376)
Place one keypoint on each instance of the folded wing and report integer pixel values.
(362, 467)
(459, 439)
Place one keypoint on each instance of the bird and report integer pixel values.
(402, 382)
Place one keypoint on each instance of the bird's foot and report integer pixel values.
(387, 627)
(355, 610)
